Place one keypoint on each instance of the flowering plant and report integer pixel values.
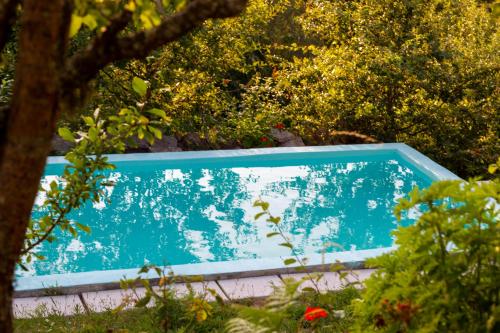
(313, 313)
(279, 126)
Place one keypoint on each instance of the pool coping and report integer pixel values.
(106, 280)
(422, 162)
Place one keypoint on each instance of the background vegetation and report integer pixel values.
(423, 72)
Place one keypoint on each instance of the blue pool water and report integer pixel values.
(192, 211)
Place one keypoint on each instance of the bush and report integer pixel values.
(444, 275)
(423, 72)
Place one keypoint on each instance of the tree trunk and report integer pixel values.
(30, 126)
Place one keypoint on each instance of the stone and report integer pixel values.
(332, 280)
(286, 139)
(108, 300)
(193, 141)
(297, 142)
(46, 306)
(137, 146)
(166, 144)
(60, 146)
(282, 136)
(261, 286)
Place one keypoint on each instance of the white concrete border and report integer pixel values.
(422, 162)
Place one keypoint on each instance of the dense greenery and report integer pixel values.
(444, 275)
(423, 72)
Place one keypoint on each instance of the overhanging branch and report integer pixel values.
(108, 47)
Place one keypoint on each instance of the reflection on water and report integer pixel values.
(191, 213)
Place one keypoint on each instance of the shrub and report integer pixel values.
(444, 275)
(423, 72)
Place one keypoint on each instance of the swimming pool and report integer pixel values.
(194, 211)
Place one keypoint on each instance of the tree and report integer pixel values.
(423, 72)
(50, 81)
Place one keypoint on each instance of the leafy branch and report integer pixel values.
(83, 177)
(109, 47)
(276, 222)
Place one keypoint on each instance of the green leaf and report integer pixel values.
(145, 283)
(492, 168)
(53, 185)
(89, 121)
(157, 112)
(156, 132)
(66, 134)
(76, 23)
(140, 133)
(124, 284)
(83, 227)
(90, 21)
(263, 204)
(274, 220)
(289, 261)
(72, 231)
(290, 246)
(257, 216)
(140, 86)
(93, 134)
(272, 234)
(144, 269)
(119, 308)
(39, 256)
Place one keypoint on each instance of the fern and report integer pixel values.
(240, 325)
(284, 297)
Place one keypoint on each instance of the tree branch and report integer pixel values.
(7, 18)
(108, 47)
(363, 137)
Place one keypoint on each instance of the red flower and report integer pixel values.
(264, 139)
(313, 313)
(279, 126)
(405, 311)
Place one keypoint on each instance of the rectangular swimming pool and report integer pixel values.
(194, 211)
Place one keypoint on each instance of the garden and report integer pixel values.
(100, 84)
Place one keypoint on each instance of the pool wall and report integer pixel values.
(102, 280)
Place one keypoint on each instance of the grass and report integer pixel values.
(177, 317)
(129, 321)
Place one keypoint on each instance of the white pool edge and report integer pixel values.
(235, 267)
(217, 270)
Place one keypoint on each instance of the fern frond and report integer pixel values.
(239, 325)
(284, 297)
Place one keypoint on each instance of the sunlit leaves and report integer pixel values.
(140, 86)
(96, 14)
(448, 255)
(76, 23)
(66, 134)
